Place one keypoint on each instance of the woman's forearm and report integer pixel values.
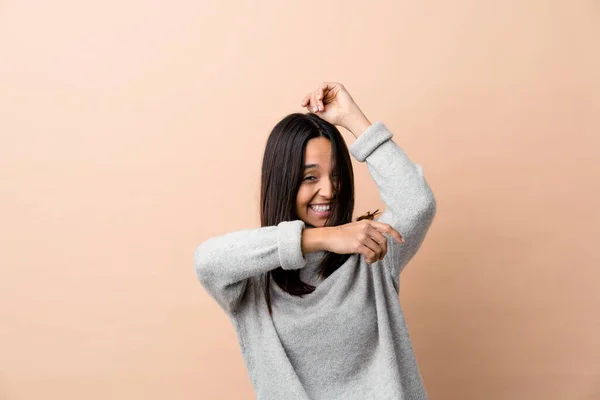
(356, 124)
(314, 239)
(224, 263)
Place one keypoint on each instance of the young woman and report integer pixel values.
(314, 296)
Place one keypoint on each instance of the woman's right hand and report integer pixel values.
(361, 237)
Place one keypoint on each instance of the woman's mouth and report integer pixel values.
(320, 210)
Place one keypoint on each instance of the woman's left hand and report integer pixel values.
(332, 102)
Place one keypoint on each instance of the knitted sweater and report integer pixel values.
(348, 339)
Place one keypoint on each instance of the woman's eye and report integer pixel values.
(309, 178)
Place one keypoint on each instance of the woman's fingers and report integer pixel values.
(315, 101)
(386, 228)
(375, 248)
(377, 243)
(322, 91)
(305, 101)
(309, 102)
(378, 238)
(318, 102)
(369, 254)
(366, 237)
(314, 104)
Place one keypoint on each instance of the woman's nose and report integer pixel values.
(326, 189)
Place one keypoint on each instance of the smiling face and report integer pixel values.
(316, 190)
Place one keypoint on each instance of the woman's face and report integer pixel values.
(316, 190)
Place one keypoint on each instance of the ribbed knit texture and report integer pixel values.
(348, 339)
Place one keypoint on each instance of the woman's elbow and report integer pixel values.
(428, 204)
(428, 210)
(431, 207)
(203, 263)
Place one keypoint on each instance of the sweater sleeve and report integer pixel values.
(225, 263)
(409, 201)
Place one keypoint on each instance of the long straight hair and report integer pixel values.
(282, 173)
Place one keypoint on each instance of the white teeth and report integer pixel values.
(321, 208)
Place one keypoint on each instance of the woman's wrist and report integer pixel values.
(356, 123)
(314, 239)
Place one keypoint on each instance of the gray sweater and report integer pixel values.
(348, 339)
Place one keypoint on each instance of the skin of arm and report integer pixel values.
(314, 239)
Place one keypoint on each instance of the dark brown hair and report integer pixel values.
(282, 172)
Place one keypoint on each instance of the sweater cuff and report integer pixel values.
(289, 244)
(369, 140)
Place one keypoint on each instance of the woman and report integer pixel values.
(312, 295)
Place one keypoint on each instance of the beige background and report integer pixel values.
(132, 131)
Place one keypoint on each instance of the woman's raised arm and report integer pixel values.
(410, 203)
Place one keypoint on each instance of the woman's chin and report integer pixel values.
(318, 224)
(313, 224)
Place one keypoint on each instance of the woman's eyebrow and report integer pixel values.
(307, 166)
